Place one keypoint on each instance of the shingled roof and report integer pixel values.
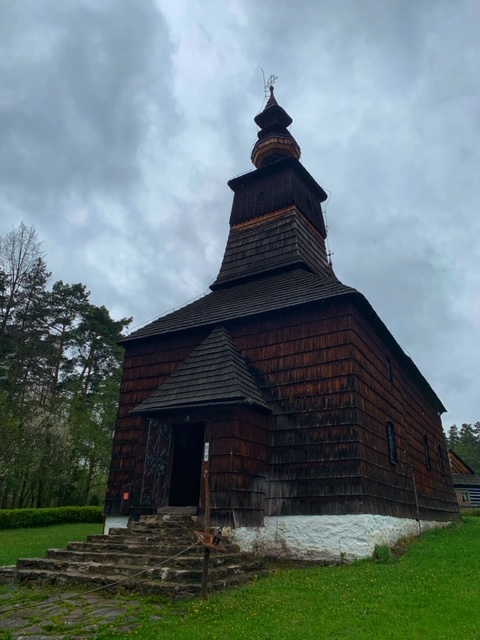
(287, 240)
(275, 260)
(274, 292)
(214, 373)
(465, 480)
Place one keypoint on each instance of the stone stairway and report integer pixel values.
(144, 557)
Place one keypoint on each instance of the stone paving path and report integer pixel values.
(64, 616)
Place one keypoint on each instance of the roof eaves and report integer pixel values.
(409, 365)
(203, 405)
(460, 460)
(207, 324)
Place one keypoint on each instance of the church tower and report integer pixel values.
(280, 395)
(276, 221)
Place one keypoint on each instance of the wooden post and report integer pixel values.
(416, 502)
(206, 550)
(207, 497)
(206, 558)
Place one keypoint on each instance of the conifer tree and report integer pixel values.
(60, 370)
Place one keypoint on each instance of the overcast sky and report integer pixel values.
(122, 120)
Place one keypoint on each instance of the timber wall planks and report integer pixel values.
(325, 373)
(382, 397)
(304, 363)
(146, 366)
(237, 467)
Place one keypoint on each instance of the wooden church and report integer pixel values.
(281, 389)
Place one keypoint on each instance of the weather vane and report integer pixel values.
(269, 83)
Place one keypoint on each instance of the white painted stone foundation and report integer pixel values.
(114, 522)
(325, 538)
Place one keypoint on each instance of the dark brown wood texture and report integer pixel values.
(272, 188)
(146, 365)
(304, 364)
(332, 385)
(238, 466)
(386, 393)
(457, 465)
(330, 372)
(272, 242)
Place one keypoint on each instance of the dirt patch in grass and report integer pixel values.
(401, 547)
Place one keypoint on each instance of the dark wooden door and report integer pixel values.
(187, 464)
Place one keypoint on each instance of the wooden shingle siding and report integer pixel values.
(465, 481)
(308, 404)
(305, 361)
(325, 370)
(238, 467)
(288, 183)
(399, 401)
(273, 243)
(213, 373)
(146, 366)
(458, 465)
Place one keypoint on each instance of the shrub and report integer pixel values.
(16, 518)
(383, 555)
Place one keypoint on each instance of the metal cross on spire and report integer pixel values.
(269, 83)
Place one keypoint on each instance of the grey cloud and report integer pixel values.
(78, 106)
(122, 121)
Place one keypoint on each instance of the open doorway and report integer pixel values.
(187, 464)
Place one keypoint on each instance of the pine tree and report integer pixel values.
(466, 443)
(59, 380)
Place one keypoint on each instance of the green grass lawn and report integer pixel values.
(430, 593)
(32, 543)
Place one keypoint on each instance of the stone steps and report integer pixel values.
(162, 572)
(133, 547)
(139, 558)
(149, 560)
(129, 546)
(172, 590)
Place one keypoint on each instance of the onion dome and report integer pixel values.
(274, 142)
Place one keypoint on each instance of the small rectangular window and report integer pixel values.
(428, 460)
(389, 370)
(465, 496)
(392, 444)
(440, 460)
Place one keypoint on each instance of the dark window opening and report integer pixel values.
(440, 460)
(309, 202)
(392, 444)
(428, 460)
(389, 370)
